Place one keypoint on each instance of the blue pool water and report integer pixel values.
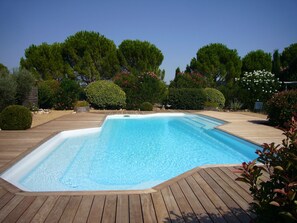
(135, 152)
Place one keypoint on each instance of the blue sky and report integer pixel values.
(177, 28)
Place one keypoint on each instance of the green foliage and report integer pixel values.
(3, 70)
(45, 61)
(260, 86)
(235, 105)
(67, 94)
(186, 98)
(91, 56)
(7, 90)
(146, 106)
(276, 65)
(188, 80)
(256, 60)
(214, 98)
(81, 104)
(289, 62)
(105, 95)
(218, 63)
(15, 117)
(141, 56)
(275, 199)
(281, 107)
(146, 87)
(47, 91)
(25, 81)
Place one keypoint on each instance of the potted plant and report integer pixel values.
(82, 106)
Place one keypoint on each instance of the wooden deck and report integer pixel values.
(208, 194)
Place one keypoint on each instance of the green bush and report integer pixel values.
(214, 98)
(7, 91)
(81, 104)
(105, 95)
(281, 107)
(25, 81)
(188, 80)
(186, 98)
(15, 117)
(146, 106)
(146, 87)
(67, 94)
(275, 199)
(47, 91)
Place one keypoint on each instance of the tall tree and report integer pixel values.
(289, 62)
(218, 63)
(141, 56)
(276, 65)
(256, 60)
(91, 56)
(44, 61)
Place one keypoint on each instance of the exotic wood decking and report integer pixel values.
(208, 194)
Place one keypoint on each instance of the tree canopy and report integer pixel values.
(91, 56)
(218, 63)
(141, 56)
(44, 61)
(256, 60)
(289, 62)
(3, 70)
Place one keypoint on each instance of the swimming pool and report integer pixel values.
(128, 152)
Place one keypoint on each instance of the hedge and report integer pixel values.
(186, 98)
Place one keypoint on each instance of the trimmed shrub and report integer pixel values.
(15, 117)
(146, 106)
(281, 106)
(214, 98)
(82, 104)
(67, 94)
(47, 91)
(105, 95)
(186, 98)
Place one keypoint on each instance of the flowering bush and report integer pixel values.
(260, 85)
(275, 199)
(281, 107)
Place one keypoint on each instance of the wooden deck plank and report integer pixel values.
(109, 212)
(212, 211)
(135, 211)
(2, 192)
(233, 206)
(32, 210)
(5, 211)
(45, 209)
(97, 208)
(84, 209)
(57, 211)
(19, 210)
(148, 210)
(185, 208)
(193, 200)
(215, 199)
(5, 199)
(229, 190)
(160, 207)
(172, 207)
(71, 208)
(233, 176)
(245, 195)
(122, 209)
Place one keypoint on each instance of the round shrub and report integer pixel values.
(281, 106)
(214, 98)
(105, 95)
(146, 106)
(15, 117)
